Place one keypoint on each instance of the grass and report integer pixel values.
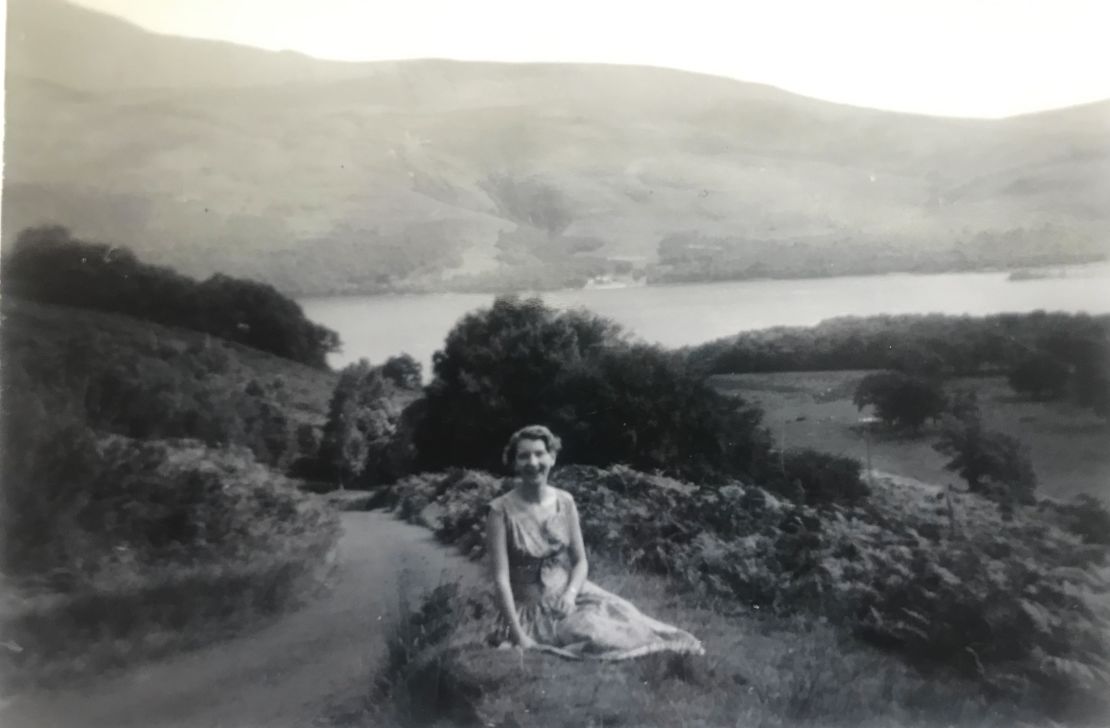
(814, 409)
(760, 672)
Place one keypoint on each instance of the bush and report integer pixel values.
(422, 680)
(520, 362)
(815, 478)
(89, 505)
(1084, 516)
(900, 400)
(108, 541)
(1020, 605)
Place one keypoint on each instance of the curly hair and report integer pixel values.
(532, 432)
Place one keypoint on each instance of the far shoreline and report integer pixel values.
(413, 292)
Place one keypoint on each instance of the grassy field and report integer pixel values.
(1068, 445)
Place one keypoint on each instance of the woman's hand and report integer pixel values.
(567, 601)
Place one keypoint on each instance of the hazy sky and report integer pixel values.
(950, 57)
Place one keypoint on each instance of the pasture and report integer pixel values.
(1068, 444)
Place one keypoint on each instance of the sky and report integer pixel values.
(987, 58)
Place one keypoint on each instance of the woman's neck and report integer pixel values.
(532, 492)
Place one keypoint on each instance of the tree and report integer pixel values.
(1040, 375)
(900, 400)
(49, 265)
(495, 373)
(520, 362)
(918, 361)
(404, 371)
(1091, 379)
(992, 463)
(362, 416)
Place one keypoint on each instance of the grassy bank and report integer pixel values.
(814, 409)
(761, 671)
(936, 592)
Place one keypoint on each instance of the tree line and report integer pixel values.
(47, 264)
(957, 345)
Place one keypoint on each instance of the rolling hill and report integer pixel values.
(321, 177)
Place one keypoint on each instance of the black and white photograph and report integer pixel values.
(581, 364)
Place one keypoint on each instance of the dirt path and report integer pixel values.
(285, 674)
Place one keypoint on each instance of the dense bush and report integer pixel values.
(917, 344)
(48, 265)
(82, 507)
(1022, 605)
(900, 400)
(814, 478)
(611, 401)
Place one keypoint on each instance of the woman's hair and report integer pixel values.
(531, 432)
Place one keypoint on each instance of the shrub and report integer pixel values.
(1084, 516)
(1020, 605)
(422, 680)
(107, 540)
(815, 478)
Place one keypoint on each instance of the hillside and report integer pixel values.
(136, 378)
(320, 177)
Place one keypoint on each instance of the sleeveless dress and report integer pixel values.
(602, 625)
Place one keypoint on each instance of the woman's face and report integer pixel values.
(533, 462)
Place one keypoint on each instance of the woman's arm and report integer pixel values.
(499, 563)
(581, 568)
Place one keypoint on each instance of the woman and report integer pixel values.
(540, 568)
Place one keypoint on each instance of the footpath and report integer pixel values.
(285, 674)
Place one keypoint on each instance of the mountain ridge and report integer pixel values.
(428, 174)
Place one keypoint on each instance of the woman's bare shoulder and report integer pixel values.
(564, 495)
(498, 504)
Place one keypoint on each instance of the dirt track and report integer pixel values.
(286, 674)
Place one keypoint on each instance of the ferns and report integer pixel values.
(1021, 605)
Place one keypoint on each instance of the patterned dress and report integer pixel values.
(602, 625)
